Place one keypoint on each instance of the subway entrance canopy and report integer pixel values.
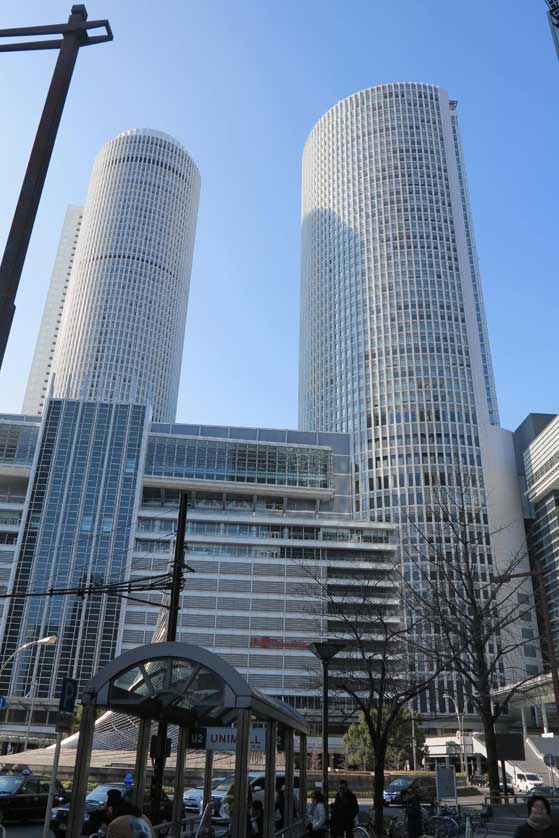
(190, 687)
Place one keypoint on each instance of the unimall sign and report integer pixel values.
(225, 739)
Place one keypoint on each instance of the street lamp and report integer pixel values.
(325, 651)
(50, 640)
(460, 717)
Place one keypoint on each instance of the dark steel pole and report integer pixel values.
(17, 242)
(172, 624)
(178, 569)
(325, 757)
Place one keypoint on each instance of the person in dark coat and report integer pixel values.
(279, 811)
(344, 811)
(414, 819)
(539, 823)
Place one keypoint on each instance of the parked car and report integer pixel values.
(193, 797)
(509, 789)
(525, 781)
(424, 787)
(547, 791)
(24, 798)
(224, 792)
(94, 804)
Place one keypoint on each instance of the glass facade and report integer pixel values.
(393, 339)
(76, 533)
(537, 441)
(122, 333)
(239, 462)
(18, 441)
(543, 541)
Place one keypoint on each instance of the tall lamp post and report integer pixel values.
(326, 651)
(460, 717)
(74, 35)
(50, 640)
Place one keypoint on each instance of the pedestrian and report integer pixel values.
(414, 819)
(539, 823)
(316, 816)
(98, 819)
(344, 811)
(257, 818)
(279, 810)
(130, 823)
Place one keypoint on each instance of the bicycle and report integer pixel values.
(393, 827)
(451, 823)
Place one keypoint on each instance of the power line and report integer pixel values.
(160, 582)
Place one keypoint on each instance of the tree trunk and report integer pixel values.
(378, 799)
(491, 748)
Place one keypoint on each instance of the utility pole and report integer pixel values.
(413, 740)
(460, 719)
(74, 35)
(159, 742)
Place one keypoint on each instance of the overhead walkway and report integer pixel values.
(535, 749)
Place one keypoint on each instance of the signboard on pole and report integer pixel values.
(549, 760)
(225, 739)
(68, 695)
(197, 739)
(3, 702)
(446, 781)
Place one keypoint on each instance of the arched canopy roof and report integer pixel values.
(182, 684)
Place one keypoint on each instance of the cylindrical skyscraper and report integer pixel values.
(393, 342)
(124, 318)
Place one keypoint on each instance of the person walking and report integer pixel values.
(539, 823)
(414, 817)
(344, 811)
(316, 816)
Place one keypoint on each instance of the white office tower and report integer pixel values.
(123, 326)
(393, 342)
(41, 366)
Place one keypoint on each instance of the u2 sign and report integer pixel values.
(225, 739)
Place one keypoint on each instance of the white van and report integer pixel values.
(524, 781)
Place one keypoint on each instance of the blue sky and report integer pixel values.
(241, 85)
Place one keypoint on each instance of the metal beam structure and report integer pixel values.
(74, 35)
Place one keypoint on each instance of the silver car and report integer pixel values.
(193, 798)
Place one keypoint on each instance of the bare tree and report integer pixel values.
(376, 672)
(465, 601)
